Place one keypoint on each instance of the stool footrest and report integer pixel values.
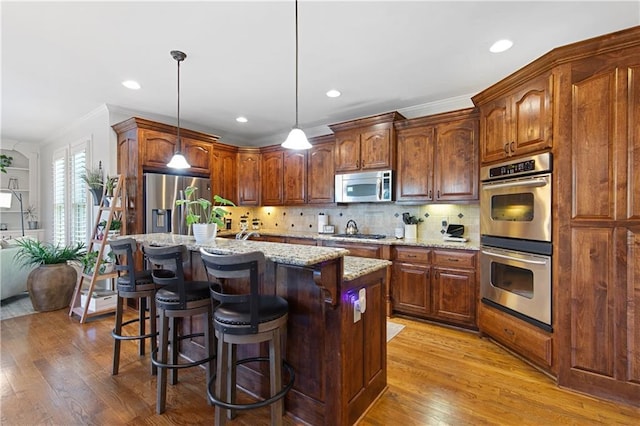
(155, 362)
(263, 403)
(132, 337)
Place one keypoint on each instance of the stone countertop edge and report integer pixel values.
(276, 252)
(389, 241)
(356, 267)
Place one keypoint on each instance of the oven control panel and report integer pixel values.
(540, 163)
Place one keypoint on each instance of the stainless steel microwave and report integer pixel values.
(364, 187)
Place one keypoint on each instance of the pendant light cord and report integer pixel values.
(179, 144)
(297, 64)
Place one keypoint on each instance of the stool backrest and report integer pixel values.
(169, 258)
(246, 265)
(123, 249)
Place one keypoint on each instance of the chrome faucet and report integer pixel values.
(243, 230)
(251, 234)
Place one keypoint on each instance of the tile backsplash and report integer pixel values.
(370, 218)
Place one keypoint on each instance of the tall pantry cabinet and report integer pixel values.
(598, 168)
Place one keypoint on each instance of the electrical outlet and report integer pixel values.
(444, 223)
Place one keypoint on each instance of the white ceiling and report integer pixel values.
(62, 60)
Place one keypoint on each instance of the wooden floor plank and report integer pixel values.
(57, 371)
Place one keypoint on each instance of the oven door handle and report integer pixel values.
(521, 183)
(533, 262)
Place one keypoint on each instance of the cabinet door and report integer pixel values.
(198, 155)
(415, 165)
(375, 149)
(272, 176)
(224, 180)
(295, 177)
(495, 130)
(249, 179)
(454, 295)
(320, 171)
(531, 116)
(157, 148)
(347, 151)
(411, 290)
(456, 159)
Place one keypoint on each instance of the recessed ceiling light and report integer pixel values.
(333, 93)
(500, 46)
(241, 119)
(130, 84)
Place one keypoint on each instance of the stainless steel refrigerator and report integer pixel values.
(160, 194)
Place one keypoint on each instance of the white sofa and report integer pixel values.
(13, 276)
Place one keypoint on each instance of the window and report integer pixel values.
(70, 195)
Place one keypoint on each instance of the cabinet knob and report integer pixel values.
(438, 194)
(357, 163)
(430, 192)
(506, 148)
(512, 147)
(509, 332)
(451, 259)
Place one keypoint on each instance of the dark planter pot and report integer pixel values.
(51, 286)
(97, 196)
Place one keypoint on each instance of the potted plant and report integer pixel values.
(114, 228)
(52, 282)
(5, 161)
(93, 179)
(90, 261)
(203, 216)
(30, 215)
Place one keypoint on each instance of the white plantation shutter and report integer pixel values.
(70, 218)
(59, 192)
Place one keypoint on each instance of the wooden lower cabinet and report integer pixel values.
(531, 342)
(435, 284)
(373, 251)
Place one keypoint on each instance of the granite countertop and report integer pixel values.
(426, 242)
(356, 267)
(288, 254)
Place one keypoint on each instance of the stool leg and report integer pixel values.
(209, 339)
(174, 343)
(161, 394)
(142, 310)
(221, 379)
(153, 329)
(118, 332)
(275, 379)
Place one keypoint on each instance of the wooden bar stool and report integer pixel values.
(246, 319)
(132, 284)
(178, 298)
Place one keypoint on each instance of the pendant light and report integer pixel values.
(178, 161)
(296, 139)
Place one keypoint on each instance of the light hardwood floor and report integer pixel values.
(57, 371)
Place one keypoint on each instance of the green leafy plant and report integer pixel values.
(34, 252)
(5, 161)
(202, 210)
(93, 178)
(90, 259)
(116, 224)
(110, 184)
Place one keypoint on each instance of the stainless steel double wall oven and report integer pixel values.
(516, 246)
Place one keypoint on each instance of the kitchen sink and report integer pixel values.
(362, 236)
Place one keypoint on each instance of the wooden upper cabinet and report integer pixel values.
(294, 177)
(249, 163)
(157, 148)
(366, 143)
(199, 155)
(519, 122)
(438, 158)
(320, 172)
(272, 178)
(224, 178)
(414, 177)
(456, 159)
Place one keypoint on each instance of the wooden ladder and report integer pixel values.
(108, 210)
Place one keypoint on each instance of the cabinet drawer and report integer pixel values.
(527, 340)
(372, 251)
(412, 254)
(301, 241)
(454, 258)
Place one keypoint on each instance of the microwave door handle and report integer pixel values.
(520, 183)
(379, 188)
(533, 262)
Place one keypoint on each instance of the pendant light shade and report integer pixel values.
(296, 139)
(178, 161)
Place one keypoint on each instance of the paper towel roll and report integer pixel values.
(322, 221)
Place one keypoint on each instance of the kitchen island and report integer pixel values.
(338, 354)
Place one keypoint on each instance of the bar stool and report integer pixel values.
(246, 319)
(132, 284)
(178, 298)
